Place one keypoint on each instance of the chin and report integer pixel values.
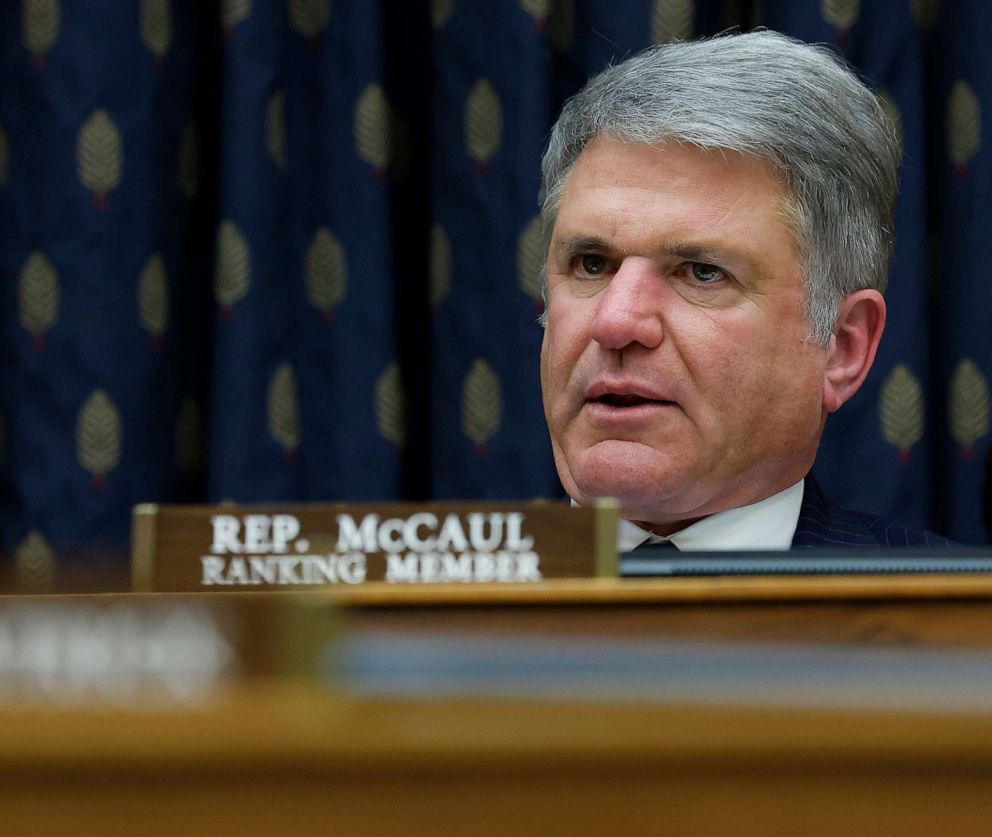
(637, 475)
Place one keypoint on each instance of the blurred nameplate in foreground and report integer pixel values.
(147, 652)
(229, 547)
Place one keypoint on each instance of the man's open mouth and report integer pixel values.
(617, 400)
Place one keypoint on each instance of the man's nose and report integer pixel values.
(629, 310)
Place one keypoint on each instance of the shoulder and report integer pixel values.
(822, 524)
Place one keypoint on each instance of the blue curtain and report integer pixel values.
(288, 250)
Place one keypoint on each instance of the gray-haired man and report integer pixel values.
(719, 221)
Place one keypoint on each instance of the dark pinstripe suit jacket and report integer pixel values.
(822, 525)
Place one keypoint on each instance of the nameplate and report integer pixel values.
(229, 547)
(156, 651)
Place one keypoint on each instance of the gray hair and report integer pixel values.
(795, 105)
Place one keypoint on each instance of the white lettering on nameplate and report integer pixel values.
(257, 549)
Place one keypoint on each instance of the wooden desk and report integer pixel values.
(296, 757)
(291, 761)
(910, 611)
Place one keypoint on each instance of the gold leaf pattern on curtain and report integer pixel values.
(561, 24)
(925, 12)
(38, 297)
(234, 12)
(189, 160)
(326, 273)
(901, 411)
(441, 12)
(376, 130)
(233, 266)
(275, 129)
(440, 265)
(189, 439)
(34, 564)
(969, 406)
(482, 404)
(99, 156)
(153, 298)
(390, 406)
(840, 14)
(309, 17)
(282, 410)
(530, 261)
(964, 125)
(40, 21)
(156, 27)
(483, 123)
(672, 20)
(98, 436)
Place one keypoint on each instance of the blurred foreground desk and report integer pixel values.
(746, 707)
(906, 611)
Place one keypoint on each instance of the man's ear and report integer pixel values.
(857, 330)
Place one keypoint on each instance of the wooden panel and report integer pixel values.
(296, 762)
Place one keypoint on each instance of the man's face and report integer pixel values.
(676, 370)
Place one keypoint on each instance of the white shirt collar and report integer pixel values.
(769, 524)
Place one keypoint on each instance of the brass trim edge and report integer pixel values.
(144, 525)
(606, 521)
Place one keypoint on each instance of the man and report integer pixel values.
(718, 216)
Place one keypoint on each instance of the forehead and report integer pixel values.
(676, 191)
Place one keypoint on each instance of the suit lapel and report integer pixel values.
(824, 525)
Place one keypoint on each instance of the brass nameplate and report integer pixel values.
(228, 547)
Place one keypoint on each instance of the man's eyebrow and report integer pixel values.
(574, 244)
(706, 253)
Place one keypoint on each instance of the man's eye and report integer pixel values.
(593, 265)
(706, 272)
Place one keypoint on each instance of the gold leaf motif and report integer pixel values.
(530, 258)
(38, 297)
(326, 272)
(925, 12)
(537, 9)
(34, 564)
(390, 406)
(283, 411)
(156, 26)
(4, 158)
(441, 11)
(98, 436)
(275, 129)
(969, 406)
(483, 122)
(189, 439)
(482, 404)
(99, 155)
(189, 161)
(308, 17)
(841, 14)
(153, 297)
(672, 20)
(964, 124)
(892, 112)
(40, 21)
(233, 265)
(376, 128)
(234, 11)
(561, 19)
(440, 266)
(901, 410)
